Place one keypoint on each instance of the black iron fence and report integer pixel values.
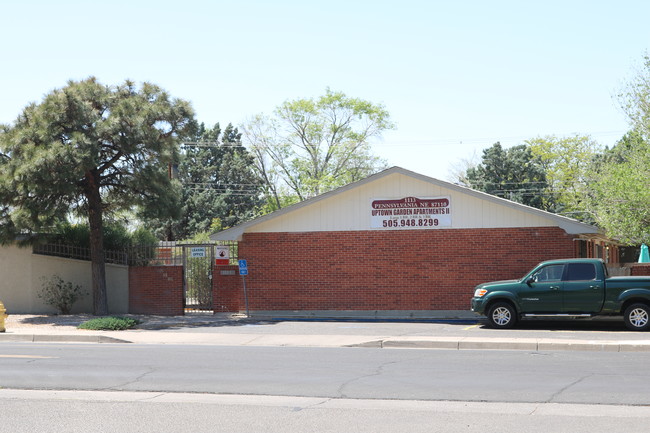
(79, 253)
(174, 253)
(162, 254)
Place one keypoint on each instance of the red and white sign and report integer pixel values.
(223, 255)
(411, 213)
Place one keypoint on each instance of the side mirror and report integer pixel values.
(531, 280)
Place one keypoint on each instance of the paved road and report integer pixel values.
(101, 412)
(154, 388)
(234, 376)
(358, 373)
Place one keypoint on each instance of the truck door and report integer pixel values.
(583, 291)
(544, 291)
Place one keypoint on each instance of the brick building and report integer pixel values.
(396, 244)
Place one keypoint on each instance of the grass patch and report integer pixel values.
(110, 323)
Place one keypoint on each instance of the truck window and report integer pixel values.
(581, 272)
(549, 273)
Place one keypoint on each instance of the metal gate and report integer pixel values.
(197, 277)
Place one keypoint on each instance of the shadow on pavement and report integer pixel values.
(146, 322)
(153, 323)
(51, 320)
(362, 320)
(576, 325)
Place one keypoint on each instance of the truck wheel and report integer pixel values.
(502, 315)
(637, 317)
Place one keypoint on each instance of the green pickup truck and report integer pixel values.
(565, 288)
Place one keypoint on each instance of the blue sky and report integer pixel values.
(456, 76)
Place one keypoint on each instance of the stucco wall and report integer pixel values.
(16, 290)
(22, 273)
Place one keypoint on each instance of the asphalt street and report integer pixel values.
(143, 412)
(361, 373)
(236, 374)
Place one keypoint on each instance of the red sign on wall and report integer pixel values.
(411, 213)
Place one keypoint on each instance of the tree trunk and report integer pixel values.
(98, 265)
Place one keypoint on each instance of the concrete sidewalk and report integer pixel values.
(236, 330)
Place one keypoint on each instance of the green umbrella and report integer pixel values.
(644, 257)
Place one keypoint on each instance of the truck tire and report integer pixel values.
(637, 317)
(502, 315)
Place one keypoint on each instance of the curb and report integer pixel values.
(512, 344)
(449, 343)
(54, 338)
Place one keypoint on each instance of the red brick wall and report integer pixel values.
(227, 290)
(389, 270)
(156, 290)
(640, 270)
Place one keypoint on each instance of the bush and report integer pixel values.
(60, 294)
(116, 236)
(110, 323)
(142, 236)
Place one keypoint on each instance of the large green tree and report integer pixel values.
(634, 99)
(513, 173)
(311, 146)
(91, 149)
(620, 198)
(620, 191)
(220, 187)
(566, 162)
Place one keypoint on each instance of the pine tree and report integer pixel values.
(220, 188)
(94, 150)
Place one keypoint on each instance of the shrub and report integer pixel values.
(116, 236)
(110, 323)
(142, 236)
(60, 294)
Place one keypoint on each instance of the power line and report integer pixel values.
(221, 184)
(433, 141)
(209, 144)
(478, 140)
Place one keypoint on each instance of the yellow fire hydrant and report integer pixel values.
(2, 317)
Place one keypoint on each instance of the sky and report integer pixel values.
(455, 76)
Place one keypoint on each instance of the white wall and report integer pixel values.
(351, 210)
(22, 273)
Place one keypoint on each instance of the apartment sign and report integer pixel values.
(410, 213)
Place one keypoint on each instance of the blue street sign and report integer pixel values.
(243, 267)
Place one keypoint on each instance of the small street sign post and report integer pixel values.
(243, 271)
(243, 267)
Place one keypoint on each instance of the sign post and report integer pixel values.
(243, 271)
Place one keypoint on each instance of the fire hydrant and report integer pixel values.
(2, 317)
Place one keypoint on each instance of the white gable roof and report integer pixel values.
(348, 208)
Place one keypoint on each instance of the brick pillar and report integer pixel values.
(639, 269)
(156, 290)
(226, 289)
